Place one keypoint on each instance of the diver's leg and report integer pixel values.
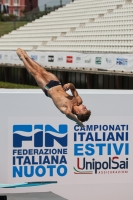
(47, 75)
(41, 76)
(34, 64)
(41, 81)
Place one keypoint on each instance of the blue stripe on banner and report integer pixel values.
(32, 184)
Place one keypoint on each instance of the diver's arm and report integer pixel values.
(74, 92)
(71, 116)
(72, 88)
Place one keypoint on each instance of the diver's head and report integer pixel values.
(82, 113)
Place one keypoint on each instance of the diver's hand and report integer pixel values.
(66, 87)
(80, 124)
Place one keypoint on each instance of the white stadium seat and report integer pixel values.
(81, 26)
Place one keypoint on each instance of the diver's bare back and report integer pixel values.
(61, 99)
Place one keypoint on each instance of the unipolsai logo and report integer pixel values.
(39, 150)
(34, 57)
(98, 60)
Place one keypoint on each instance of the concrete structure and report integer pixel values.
(16, 6)
(91, 37)
(80, 26)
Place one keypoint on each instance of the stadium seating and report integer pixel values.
(81, 26)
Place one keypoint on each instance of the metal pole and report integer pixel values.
(15, 24)
(45, 9)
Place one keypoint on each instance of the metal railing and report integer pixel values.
(80, 80)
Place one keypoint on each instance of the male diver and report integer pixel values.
(69, 105)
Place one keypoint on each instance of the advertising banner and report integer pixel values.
(39, 144)
(50, 149)
(71, 60)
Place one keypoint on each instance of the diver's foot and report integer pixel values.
(24, 54)
(19, 53)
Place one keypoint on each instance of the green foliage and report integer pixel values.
(16, 86)
(30, 16)
(6, 27)
(9, 17)
(10, 22)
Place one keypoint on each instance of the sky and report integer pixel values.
(41, 3)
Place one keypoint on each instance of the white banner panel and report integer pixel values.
(122, 62)
(51, 149)
(38, 143)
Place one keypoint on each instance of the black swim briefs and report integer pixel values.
(51, 84)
